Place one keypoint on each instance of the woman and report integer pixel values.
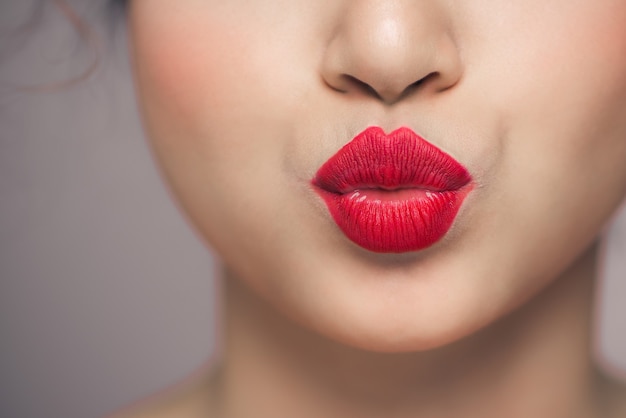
(406, 198)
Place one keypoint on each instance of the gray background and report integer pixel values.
(106, 295)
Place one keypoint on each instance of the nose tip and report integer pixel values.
(390, 51)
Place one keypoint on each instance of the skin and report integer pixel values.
(244, 101)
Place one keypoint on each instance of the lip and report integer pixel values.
(392, 193)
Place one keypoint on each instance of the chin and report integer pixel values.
(398, 336)
(394, 314)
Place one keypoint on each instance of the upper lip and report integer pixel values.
(401, 159)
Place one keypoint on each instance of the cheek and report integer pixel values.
(188, 64)
(531, 50)
(209, 73)
(214, 113)
(556, 85)
(559, 84)
(580, 102)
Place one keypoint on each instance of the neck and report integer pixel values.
(535, 362)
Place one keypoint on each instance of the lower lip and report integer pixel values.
(395, 221)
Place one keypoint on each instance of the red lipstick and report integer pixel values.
(392, 193)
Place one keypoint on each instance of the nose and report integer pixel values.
(390, 48)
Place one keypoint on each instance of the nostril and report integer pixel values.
(419, 83)
(359, 85)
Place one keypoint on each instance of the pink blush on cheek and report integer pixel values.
(184, 64)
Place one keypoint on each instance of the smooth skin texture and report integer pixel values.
(244, 100)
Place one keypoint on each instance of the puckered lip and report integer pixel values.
(399, 160)
(392, 193)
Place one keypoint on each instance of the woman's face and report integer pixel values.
(244, 101)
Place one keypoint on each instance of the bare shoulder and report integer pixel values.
(190, 399)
